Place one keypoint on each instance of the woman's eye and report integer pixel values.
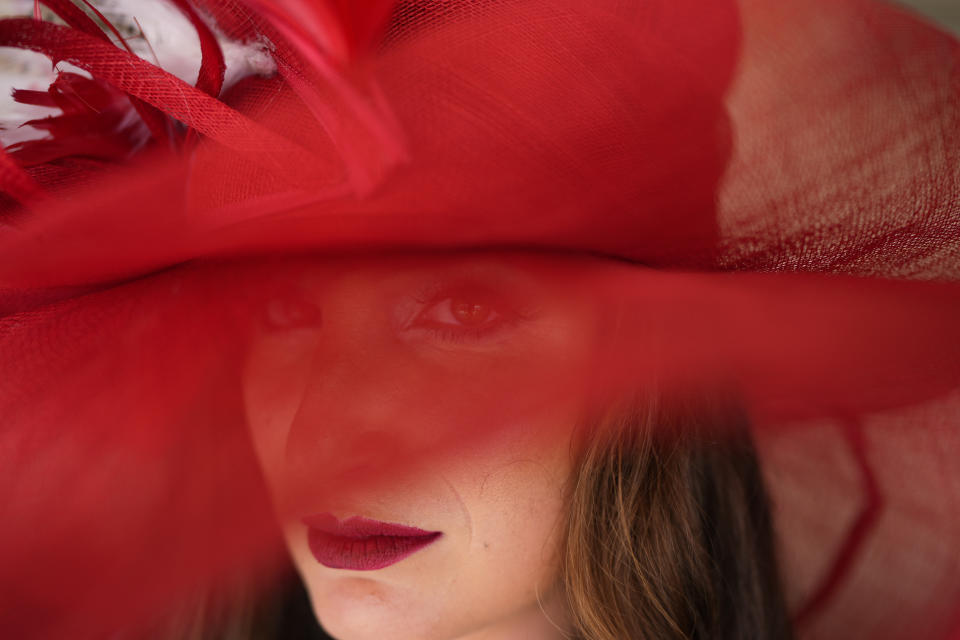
(464, 316)
(461, 311)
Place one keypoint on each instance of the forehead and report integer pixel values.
(389, 267)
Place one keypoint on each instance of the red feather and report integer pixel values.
(98, 121)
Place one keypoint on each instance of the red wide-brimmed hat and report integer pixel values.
(765, 195)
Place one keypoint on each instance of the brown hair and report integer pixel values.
(668, 535)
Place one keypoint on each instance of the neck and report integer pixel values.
(547, 622)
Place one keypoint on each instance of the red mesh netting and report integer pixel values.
(758, 196)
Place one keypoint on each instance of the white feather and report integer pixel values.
(156, 31)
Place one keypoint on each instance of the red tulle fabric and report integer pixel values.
(762, 196)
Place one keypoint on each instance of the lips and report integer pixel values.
(360, 544)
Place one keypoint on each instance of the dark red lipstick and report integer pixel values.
(361, 544)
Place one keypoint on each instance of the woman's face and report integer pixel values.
(413, 418)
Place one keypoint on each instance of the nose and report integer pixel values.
(349, 431)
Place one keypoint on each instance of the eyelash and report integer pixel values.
(451, 334)
(291, 311)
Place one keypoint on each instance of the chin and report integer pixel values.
(364, 609)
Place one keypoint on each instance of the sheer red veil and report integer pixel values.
(764, 195)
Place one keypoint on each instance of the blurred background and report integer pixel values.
(946, 12)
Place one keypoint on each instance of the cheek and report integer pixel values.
(275, 377)
(517, 537)
(514, 490)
